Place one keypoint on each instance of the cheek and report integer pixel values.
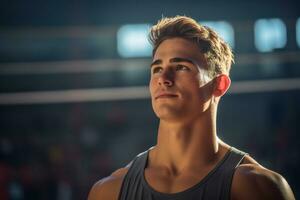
(191, 89)
(203, 77)
(152, 84)
(187, 89)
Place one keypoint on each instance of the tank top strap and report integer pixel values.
(132, 178)
(226, 172)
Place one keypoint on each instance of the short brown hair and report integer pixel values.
(217, 52)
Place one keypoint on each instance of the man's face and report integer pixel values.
(178, 80)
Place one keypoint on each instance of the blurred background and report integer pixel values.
(74, 100)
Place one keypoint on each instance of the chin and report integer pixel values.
(169, 112)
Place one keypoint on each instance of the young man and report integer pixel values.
(189, 74)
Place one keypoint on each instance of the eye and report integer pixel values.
(182, 68)
(156, 70)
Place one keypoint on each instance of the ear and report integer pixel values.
(222, 83)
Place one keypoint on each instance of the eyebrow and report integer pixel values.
(173, 60)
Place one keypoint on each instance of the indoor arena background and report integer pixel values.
(74, 101)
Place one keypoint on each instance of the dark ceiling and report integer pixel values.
(114, 12)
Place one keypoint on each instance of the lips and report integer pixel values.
(165, 95)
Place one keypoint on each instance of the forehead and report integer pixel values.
(179, 47)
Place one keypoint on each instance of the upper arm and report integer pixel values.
(97, 191)
(255, 182)
(108, 187)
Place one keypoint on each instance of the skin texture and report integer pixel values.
(187, 147)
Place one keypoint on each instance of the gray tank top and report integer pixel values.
(215, 185)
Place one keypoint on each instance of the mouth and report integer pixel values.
(165, 96)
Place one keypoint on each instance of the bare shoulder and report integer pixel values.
(108, 187)
(253, 181)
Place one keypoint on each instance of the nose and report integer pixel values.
(166, 78)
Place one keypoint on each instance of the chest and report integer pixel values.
(164, 182)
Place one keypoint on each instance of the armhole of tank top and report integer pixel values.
(242, 156)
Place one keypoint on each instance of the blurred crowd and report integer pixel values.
(30, 170)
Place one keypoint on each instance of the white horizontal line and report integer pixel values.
(76, 95)
(133, 93)
(100, 65)
(271, 85)
(73, 67)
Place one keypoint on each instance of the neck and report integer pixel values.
(185, 144)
